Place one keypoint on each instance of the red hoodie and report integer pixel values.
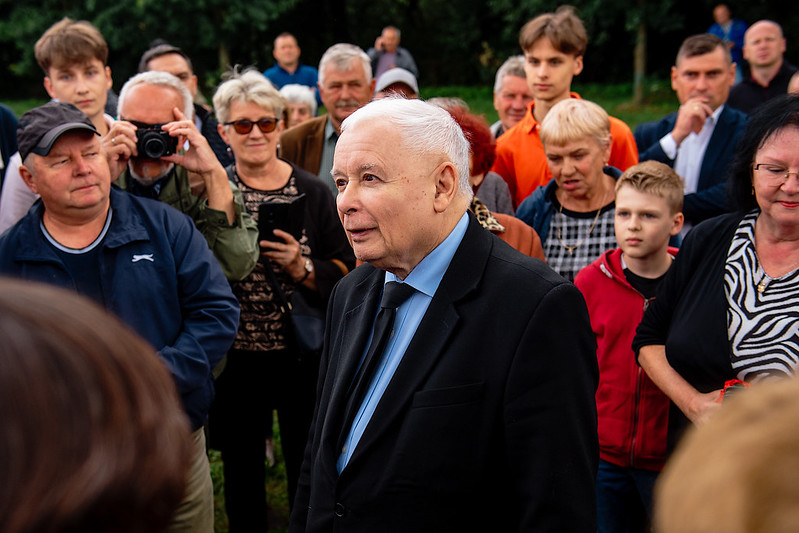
(632, 411)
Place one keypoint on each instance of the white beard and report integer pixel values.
(147, 182)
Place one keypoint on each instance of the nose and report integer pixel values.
(347, 198)
(80, 83)
(542, 70)
(701, 82)
(791, 184)
(80, 166)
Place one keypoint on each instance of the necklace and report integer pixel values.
(573, 247)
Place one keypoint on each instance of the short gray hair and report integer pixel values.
(425, 129)
(247, 86)
(513, 66)
(299, 94)
(162, 79)
(341, 56)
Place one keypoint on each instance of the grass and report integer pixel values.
(616, 99)
(277, 500)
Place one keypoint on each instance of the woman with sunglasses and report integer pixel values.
(264, 370)
(727, 309)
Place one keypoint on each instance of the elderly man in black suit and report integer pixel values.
(467, 402)
(698, 140)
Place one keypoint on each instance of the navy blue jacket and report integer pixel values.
(159, 276)
(711, 197)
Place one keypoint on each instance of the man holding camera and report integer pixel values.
(156, 151)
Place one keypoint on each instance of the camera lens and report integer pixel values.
(155, 147)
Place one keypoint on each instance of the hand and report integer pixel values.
(702, 406)
(691, 117)
(199, 158)
(379, 43)
(119, 145)
(287, 254)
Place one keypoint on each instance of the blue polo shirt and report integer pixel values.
(304, 75)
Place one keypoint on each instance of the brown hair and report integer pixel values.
(563, 28)
(701, 44)
(69, 42)
(737, 472)
(656, 178)
(92, 434)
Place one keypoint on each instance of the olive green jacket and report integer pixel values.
(234, 245)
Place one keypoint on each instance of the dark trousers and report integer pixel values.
(252, 384)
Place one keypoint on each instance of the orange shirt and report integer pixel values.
(522, 163)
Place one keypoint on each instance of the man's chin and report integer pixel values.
(148, 171)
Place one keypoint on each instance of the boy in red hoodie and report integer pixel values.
(632, 411)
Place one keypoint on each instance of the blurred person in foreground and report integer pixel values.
(727, 308)
(92, 436)
(265, 369)
(737, 473)
(410, 425)
(139, 258)
(573, 214)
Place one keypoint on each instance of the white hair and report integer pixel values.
(300, 94)
(341, 56)
(513, 66)
(425, 129)
(162, 79)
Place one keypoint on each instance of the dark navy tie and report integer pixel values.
(394, 294)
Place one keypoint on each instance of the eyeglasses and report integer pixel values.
(244, 126)
(774, 173)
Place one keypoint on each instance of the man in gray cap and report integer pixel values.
(141, 259)
(397, 82)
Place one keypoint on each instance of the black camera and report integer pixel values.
(155, 143)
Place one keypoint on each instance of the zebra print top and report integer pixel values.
(763, 313)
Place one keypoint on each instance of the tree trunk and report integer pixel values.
(639, 63)
(224, 57)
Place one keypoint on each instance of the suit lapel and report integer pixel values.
(722, 135)
(433, 334)
(355, 327)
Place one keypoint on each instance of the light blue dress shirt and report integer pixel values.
(425, 278)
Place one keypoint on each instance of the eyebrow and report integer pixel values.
(361, 168)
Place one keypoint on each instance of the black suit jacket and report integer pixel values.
(489, 423)
(711, 196)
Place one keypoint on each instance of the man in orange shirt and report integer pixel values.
(553, 45)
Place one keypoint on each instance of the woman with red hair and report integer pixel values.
(494, 208)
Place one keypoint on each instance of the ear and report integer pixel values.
(677, 221)
(372, 86)
(578, 65)
(674, 78)
(110, 81)
(447, 185)
(48, 86)
(222, 129)
(607, 150)
(27, 177)
(733, 67)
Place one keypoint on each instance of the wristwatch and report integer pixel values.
(308, 270)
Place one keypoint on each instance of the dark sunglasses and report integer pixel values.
(244, 126)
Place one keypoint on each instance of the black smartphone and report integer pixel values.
(286, 216)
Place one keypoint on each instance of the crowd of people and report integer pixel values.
(544, 310)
